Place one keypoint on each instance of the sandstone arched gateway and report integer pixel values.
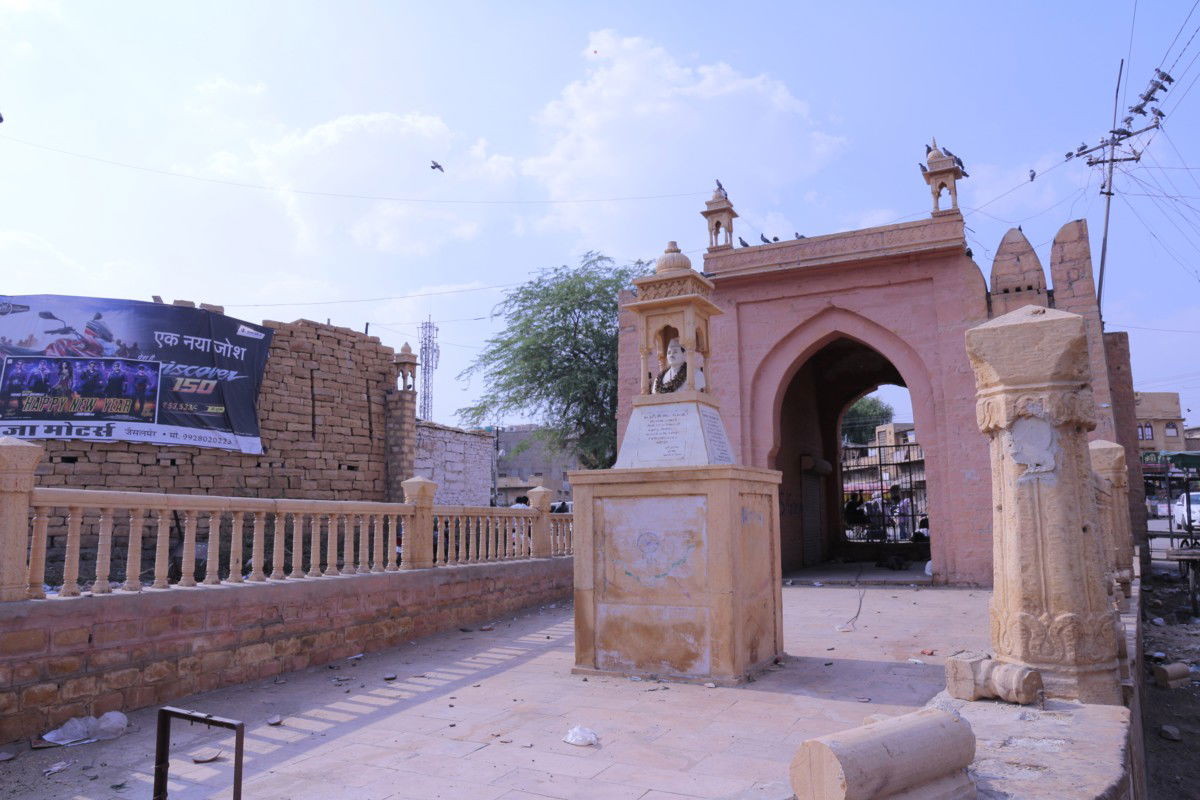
(810, 325)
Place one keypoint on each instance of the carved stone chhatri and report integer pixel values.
(1051, 608)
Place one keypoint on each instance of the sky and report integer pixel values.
(274, 157)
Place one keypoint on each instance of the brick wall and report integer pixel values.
(67, 658)
(458, 461)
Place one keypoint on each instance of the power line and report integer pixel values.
(1161, 244)
(438, 321)
(1160, 330)
(342, 195)
(1129, 54)
(370, 299)
(1175, 39)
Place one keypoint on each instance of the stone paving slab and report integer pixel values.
(481, 715)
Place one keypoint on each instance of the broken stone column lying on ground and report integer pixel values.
(676, 548)
(977, 676)
(1051, 608)
(919, 756)
(1108, 464)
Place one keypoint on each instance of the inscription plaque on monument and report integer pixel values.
(664, 433)
(683, 434)
(719, 451)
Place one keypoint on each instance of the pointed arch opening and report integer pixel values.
(854, 494)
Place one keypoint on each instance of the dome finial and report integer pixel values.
(672, 260)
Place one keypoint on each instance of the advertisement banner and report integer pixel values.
(91, 368)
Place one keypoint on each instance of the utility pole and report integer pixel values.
(1108, 150)
(1108, 191)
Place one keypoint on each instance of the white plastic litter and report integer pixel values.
(72, 731)
(110, 725)
(929, 568)
(582, 737)
(81, 730)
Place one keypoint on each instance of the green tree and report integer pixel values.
(860, 420)
(556, 359)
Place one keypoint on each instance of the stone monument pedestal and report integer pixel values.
(677, 571)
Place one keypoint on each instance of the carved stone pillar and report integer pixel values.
(1051, 608)
(1108, 462)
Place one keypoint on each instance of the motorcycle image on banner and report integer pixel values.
(103, 369)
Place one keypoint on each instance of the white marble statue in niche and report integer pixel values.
(674, 376)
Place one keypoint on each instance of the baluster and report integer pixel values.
(70, 586)
(188, 577)
(104, 553)
(472, 542)
(494, 539)
(364, 543)
(298, 522)
(258, 547)
(314, 544)
(212, 567)
(445, 528)
(133, 552)
(464, 539)
(331, 544)
(37, 553)
(571, 536)
(393, 536)
(235, 548)
(162, 550)
(377, 563)
(277, 546)
(460, 537)
(351, 524)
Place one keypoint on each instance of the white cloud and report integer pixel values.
(370, 154)
(640, 123)
(410, 231)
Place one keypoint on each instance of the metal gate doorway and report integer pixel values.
(883, 492)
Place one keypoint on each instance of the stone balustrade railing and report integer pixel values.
(244, 539)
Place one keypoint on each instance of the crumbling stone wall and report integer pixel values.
(458, 461)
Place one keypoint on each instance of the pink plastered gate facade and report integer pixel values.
(809, 325)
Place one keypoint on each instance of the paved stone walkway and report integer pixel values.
(480, 715)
